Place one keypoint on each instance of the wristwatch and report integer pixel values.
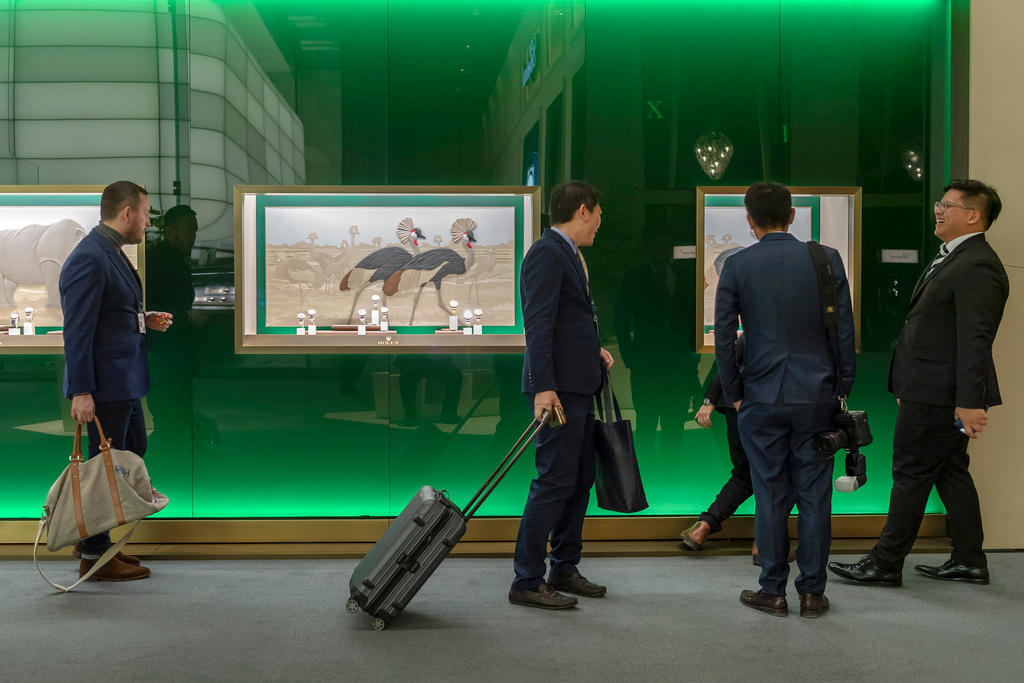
(707, 401)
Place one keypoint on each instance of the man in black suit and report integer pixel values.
(943, 377)
(562, 366)
(787, 392)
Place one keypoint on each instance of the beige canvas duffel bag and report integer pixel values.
(96, 495)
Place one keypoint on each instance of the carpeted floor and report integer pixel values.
(665, 619)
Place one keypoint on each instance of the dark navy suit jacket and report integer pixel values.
(562, 348)
(773, 286)
(101, 295)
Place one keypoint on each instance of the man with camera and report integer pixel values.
(787, 393)
(944, 380)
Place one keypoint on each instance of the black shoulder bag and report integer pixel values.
(618, 475)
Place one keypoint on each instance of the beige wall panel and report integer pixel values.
(996, 461)
(996, 151)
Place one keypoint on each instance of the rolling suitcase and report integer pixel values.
(413, 546)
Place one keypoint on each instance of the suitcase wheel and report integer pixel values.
(378, 624)
(352, 606)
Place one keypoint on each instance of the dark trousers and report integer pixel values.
(928, 450)
(557, 503)
(125, 425)
(783, 464)
(739, 486)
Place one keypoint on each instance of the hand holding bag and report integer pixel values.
(618, 483)
(96, 495)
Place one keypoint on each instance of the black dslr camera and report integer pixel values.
(849, 431)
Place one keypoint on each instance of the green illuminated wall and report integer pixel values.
(416, 92)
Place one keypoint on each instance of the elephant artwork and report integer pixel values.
(34, 256)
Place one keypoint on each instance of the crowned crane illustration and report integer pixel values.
(377, 266)
(304, 275)
(440, 263)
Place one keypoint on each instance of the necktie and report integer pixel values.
(586, 275)
(943, 252)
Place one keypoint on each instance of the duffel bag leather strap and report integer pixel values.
(103, 559)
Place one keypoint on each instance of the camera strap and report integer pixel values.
(829, 300)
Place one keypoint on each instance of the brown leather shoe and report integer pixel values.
(694, 537)
(774, 605)
(578, 584)
(114, 570)
(127, 559)
(812, 606)
(545, 597)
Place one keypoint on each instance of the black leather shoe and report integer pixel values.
(866, 570)
(545, 597)
(812, 606)
(954, 571)
(575, 583)
(774, 605)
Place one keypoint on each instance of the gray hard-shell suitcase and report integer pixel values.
(413, 546)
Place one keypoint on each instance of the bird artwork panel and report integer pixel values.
(416, 259)
(726, 232)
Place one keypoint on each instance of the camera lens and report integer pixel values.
(826, 443)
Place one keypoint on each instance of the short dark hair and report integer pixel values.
(117, 195)
(566, 199)
(177, 214)
(769, 205)
(974, 191)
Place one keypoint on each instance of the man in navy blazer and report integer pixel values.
(106, 372)
(562, 366)
(787, 393)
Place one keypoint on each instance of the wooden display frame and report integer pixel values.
(851, 245)
(251, 336)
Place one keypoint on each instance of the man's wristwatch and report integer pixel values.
(707, 401)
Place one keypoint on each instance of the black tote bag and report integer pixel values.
(618, 476)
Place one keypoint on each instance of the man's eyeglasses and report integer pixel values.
(942, 206)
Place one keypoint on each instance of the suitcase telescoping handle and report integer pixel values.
(502, 469)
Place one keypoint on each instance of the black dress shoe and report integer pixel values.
(812, 606)
(545, 597)
(954, 571)
(575, 583)
(774, 605)
(866, 570)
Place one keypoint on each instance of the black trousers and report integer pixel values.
(928, 450)
(739, 486)
(779, 442)
(557, 503)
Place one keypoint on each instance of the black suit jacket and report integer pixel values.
(562, 348)
(944, 353)
(714, 392)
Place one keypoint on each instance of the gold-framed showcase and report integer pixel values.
(39, 227)
(384, 269)
(829, 215)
